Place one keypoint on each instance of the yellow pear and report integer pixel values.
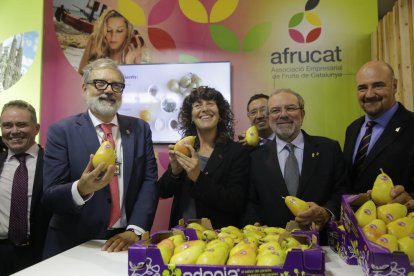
(269, 246)
(270, 258)
(389, 241)
(366, 213)
(214, 256)
(381, 191)
(209, 235)
(235, 233)
(392, 211)
(296, 205)
(199, 229)
(188, 244)
(188, 255)
(242, 245)
(274, 230)
(252, 136)
(410, 215)
(226, 239)
(166, 248)
(270, 237)
(401, 227)
(105, 154)
(290, 242)
(374, 229)
(180, 145)
(246, 256)
(218, 243)
(177, 239)
(406, 244)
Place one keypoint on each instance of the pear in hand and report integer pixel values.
(180, 145)
(392, 211)
(381, 191)
(252, 136)
(296, 205)
(366, 213)
(105, 154)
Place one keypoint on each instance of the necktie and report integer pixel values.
(113, 185)
(363, 145)
(18, 206)
(291, 172)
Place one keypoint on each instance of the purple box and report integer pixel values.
(144, 258)
(340, 243)
(373, 258)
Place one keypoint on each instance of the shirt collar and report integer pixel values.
(385, 117)
(298, 142)
(96, 122)
(32, 151)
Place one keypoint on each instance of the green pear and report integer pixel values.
(401, 227)
(214, 256)
(188, 244)
(392, 211)
(381, 191)
(188, 255)
(296, 205)
(166, 248)
(252, 136)
(406, 244)
(389, 241)
(270, 258)
(366, 213)
(209, 235)
(105, 154)
(246, 256)
(177, 239)
(374, 229)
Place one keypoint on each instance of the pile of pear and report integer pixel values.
(251, 246)
(384, 223)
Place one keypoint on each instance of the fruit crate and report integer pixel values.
(340, 243)
(144, 258)
(373, 258)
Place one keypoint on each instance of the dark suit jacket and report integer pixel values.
(39, 216)
(220, 190)
(69, 145)
(393, 152)
(323, 180)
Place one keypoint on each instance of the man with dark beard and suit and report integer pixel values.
(88, 202)
(21, 165)
(390, 146)
(295, 163)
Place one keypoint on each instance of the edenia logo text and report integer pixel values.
(302, 18)
(201, 272)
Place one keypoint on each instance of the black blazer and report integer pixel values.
(323, 180)
(39, 216)
(393, 152)
(220, 190)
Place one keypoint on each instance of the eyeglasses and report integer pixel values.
(275, 111)
(117, 87)
(253, 113)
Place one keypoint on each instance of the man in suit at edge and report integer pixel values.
(257, 114)
(19, 128)
(391, 146)
(322, 178)
(79, 194)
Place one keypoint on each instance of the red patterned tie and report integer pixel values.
(18, 207)
(113, 185)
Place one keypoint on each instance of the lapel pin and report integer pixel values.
(127, 132)
(397, 129)
(314, 154)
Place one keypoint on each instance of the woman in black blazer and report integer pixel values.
(211, 182)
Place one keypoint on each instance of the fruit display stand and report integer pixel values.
(340, 243)
(373, 258)
(144, 258)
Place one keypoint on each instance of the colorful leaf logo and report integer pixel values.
(306, 17)
(133, 12)
(196, 11)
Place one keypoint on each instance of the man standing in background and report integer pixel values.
(117, 204)
(23, 220)
(383, 137)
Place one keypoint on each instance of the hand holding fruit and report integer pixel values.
(316, 217)
(399, 195)
(175, 166)
(190, 164)
(92, 179)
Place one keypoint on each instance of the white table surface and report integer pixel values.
(88, 259)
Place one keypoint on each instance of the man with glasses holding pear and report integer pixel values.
(297, 164)
(117, 204)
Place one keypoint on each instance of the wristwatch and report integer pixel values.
(136, 232)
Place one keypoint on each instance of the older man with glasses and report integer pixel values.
(117, 204)
(298, 164)
(257, 114)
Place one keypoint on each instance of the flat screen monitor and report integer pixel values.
(155, 92)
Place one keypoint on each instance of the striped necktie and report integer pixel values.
(363, 146)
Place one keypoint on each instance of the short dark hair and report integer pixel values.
(225, 127)
(255, 97)
(23, 105)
